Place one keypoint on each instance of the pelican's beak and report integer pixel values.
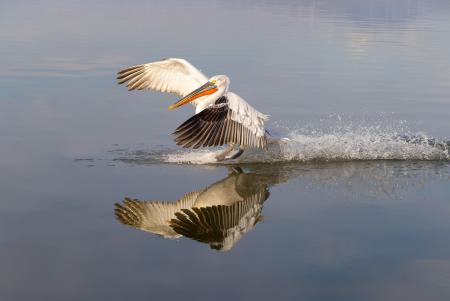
(207, 89)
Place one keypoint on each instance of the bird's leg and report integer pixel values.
(237, 154)
(222, 156)
(226, 154)
(234, 170)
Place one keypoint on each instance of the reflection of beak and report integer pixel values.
(207, 89)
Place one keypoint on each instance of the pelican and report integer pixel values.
(221, 116)
(218, 215)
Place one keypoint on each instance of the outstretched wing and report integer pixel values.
(230, 120)
(153, 216)
(171, 75)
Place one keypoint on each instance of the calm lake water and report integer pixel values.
(347, 210)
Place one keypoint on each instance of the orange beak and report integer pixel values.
(207, 89)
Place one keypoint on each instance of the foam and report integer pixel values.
(348, 143)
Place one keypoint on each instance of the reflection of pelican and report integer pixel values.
(221, 117)
(218, 215)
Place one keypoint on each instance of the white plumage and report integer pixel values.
(246, 114)
(170, 75)
(222, 117)
(154, 216)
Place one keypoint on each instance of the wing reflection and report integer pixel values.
(218, 215)
(222, 213)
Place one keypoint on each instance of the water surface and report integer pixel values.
(349, 210)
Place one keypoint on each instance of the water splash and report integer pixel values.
(364, 144)
(192, 157)
(335, 138)
(348, 143)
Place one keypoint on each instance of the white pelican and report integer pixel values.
(221, 117)
(218, 215)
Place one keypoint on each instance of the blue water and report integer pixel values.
(354, 211)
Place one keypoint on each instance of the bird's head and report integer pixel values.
(221, 81)
(216, 86)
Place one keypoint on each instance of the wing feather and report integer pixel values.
(171, 75)
(245, 114)
(220, 226)
(214, 126)
(153, 216)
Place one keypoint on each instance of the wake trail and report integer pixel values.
(351, 144)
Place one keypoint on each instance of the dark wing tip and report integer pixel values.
(128, 74)
(129, 213)
(123, 71)
(202, 128)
